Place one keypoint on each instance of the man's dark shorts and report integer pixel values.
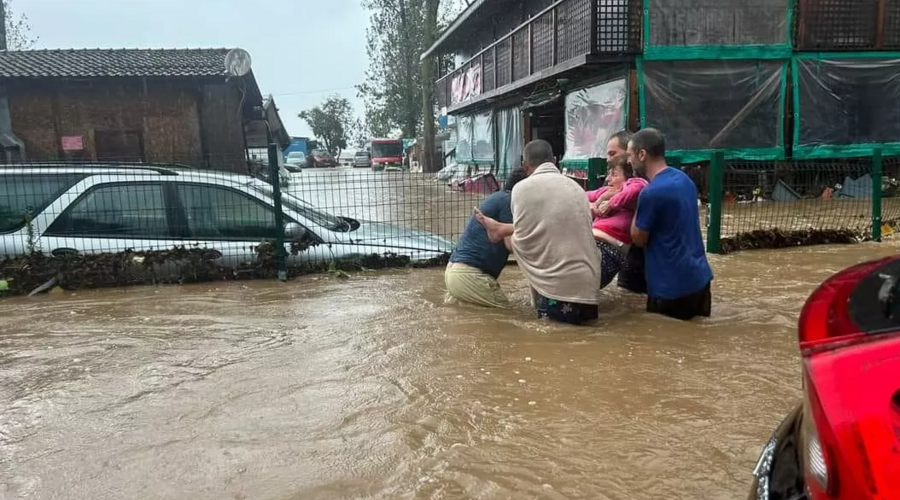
(631, 276)
(686, 308)
(565, 312)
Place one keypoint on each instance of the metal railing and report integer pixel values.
(560, 33)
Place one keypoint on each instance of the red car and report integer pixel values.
(321, 158)
(843, 441)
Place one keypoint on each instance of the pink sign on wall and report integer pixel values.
(73, 143)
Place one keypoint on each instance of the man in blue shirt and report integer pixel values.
(476, 263)
(667, 225)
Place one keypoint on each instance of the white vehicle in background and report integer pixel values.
(345, 159)
(94, 209)
(295, 161)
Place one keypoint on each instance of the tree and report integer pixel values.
(393, 88)
(428, 102)
(330, 122)
(16, 32)
(399, 88)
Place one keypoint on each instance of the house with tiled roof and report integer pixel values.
(160, 105)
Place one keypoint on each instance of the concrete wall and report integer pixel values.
(179, 120)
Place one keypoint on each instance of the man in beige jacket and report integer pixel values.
(551, 239)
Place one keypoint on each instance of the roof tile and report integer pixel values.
(87, 63)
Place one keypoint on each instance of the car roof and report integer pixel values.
(132, 171)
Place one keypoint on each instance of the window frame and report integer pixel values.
(170, 210)
(39, 209)
(179, 208)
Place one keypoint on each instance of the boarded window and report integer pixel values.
(118, 145)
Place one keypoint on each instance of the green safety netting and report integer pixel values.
(510, 139)
(593, 115)
(716, 29)
(704, 105)
(846, 105)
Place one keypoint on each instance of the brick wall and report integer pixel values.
(179, 120)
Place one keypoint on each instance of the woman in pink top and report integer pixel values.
(613, 207)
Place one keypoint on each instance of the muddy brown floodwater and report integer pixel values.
(374, 388)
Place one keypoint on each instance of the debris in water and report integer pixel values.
(521, 380)
(527, 359)
(776, 238)
(459, 376)
(532, 403)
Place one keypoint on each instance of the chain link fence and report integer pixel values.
(92, 224)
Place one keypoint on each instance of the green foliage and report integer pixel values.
(331, 122)
(396, 37)
(18, 31)
(397, 85)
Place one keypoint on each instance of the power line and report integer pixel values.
(322, 91)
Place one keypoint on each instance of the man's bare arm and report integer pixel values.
(639, 237)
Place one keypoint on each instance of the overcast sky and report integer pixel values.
(302, 50)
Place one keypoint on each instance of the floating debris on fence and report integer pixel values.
(858, 189)
(38, 273)
(776, 238)
(783, 192)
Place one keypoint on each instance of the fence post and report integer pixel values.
(876, 194)
(275, 179)
(596, 171)
(714, 207)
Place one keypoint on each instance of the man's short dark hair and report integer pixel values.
(650, 140)
(622, 137)
(538, 152)
(515, 176)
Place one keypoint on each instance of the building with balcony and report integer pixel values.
(761, 80)
(526, 69)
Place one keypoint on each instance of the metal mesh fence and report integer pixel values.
(776, 204)
(98, 224)
(797, 196)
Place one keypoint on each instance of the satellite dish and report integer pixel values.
(237, 62)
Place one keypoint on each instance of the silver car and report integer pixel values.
(90, 209)
(362, 159)
(295, 161)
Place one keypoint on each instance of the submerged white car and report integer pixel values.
(103, 209)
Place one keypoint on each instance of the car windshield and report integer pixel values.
(324, 219)
(320, 152)
(387, 149)
(362, 154)
(296, 155)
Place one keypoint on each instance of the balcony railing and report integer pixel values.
(839, 25)
(564, 31)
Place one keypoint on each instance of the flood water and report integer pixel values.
(374, 388)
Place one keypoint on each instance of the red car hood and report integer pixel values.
(863, 407)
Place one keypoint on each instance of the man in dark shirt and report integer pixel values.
(667, 225)
(476, 263)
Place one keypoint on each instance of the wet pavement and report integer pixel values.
(375, 388)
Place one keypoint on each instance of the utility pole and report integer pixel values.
(2, 25)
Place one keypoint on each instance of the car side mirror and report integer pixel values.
(295, 232)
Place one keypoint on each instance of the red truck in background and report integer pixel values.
(386, 154)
